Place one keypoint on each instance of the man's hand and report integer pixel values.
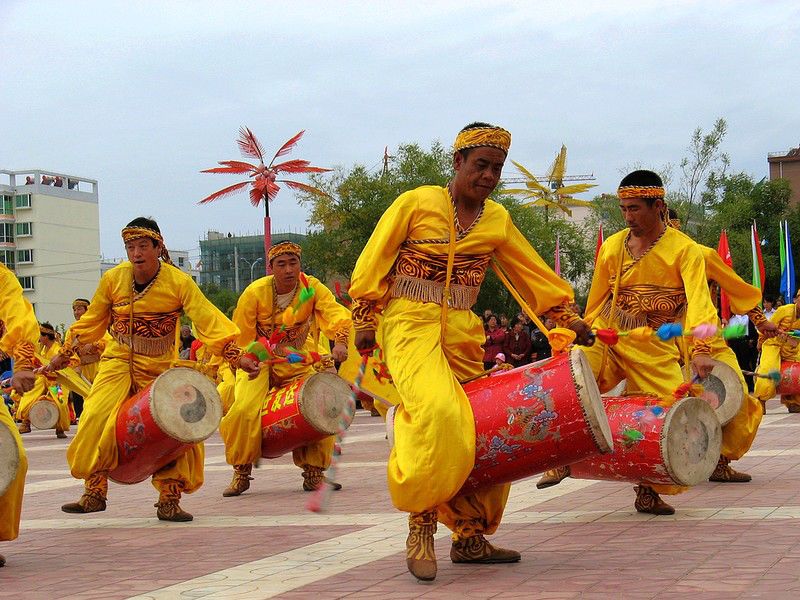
(249, 366)
(703, 365)
(339, 352)
(365, 340)
(768, 329)
(87, 349)
(23, 381)
(58, 362)
(584, 334)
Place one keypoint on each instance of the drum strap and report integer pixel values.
(451, 256)
(501, 274)
(130, 324)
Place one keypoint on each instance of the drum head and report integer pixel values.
(43, 414)
(185, 404)
(322, 401)
(723, 391)
(591, 402)
(9, 458)
(690, 441)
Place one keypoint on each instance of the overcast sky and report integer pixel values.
(143, 95)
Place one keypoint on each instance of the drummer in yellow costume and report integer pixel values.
(21, 333)
(778, 349)
(47, 348)
(435, 243)
(139, 302)
(646, 275)
(259, 313)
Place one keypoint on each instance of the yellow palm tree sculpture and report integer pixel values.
(554, 194)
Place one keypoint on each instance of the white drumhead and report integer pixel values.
(43, 414)
(185, 404)
(322, 401)
(591, 402)
(690, 441)
(723, 390)
(9, 457)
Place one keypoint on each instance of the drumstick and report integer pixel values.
(774, 376)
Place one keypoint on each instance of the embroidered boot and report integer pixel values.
(241, 480)
(552, 477)
(60, 434)
(476, 549)
(25, 427)
(420, 555)
(167, 505)
(314, 477)
(724, 473)
(648, 501)
(94, 496)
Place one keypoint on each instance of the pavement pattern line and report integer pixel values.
(321, 560)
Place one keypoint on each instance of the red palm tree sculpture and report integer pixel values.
(263, 178)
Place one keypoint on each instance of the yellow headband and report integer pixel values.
(284, 248)
(134, 233)
(495, 137)
(640, 191)
(78, 303)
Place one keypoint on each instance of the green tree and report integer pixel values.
(223, 298)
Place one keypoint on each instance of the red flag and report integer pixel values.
(725, 253)
(599, 242)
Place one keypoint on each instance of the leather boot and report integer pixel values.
(314, 477)
(241, 480)
(477, 549)
(25, 427)
(724, 473)
(167, 505)
(94, 496)
(420, 555)
(552, 477)
(648, 501)
(60, 434)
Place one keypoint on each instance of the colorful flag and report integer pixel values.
(600, 241)
(787, 264)
(724, 250)
(558, 256)
(758, 259)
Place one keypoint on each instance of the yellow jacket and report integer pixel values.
(21, 327)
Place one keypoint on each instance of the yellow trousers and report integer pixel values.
(225, 387)
(434, 428)
(94, 447)
(738, 434)
(651, 367)
(11, 501)
(241, 430)
(41, 388)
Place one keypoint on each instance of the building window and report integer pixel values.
(7, 233)
(24, 257)
(7, 258)
(23, 200)
(27, 283)
(7, 207)
(24, 229)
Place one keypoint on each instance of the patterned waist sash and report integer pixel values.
(153, 333)
(645, 305)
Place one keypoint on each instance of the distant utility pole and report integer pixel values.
(386, 158)
(236, 267)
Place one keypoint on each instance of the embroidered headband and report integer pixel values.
(284, 248)
(80, 302)
(130, 234)
(495, 137)
(640, 191)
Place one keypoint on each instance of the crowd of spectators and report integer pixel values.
(515, 342)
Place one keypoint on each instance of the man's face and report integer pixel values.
(143, 254)
(479, 173)
(286, 269)
(186, 331)
(640, 217)
(45, 340)
(77, 311)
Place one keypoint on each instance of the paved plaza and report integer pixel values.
(580, 539)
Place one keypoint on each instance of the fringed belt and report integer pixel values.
(462, 297)
(625, 320)
(148, 346)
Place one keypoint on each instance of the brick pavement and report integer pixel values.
(581, 539)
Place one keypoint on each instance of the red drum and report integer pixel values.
(533, 418)
(9, 457)
(677, 445)
(790, 379)
(722, 389)
(178, 410)
(44, 413)
(302, 412)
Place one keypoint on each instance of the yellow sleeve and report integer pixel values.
(784, 317)
(699, 308)
(536, 282)
(246, 313)
(743, 296)
(214, 329)
(22, 328)
(600, 289)
(333, 318)
(93, 324)
(368, 283)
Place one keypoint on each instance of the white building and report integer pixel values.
(50, 235)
